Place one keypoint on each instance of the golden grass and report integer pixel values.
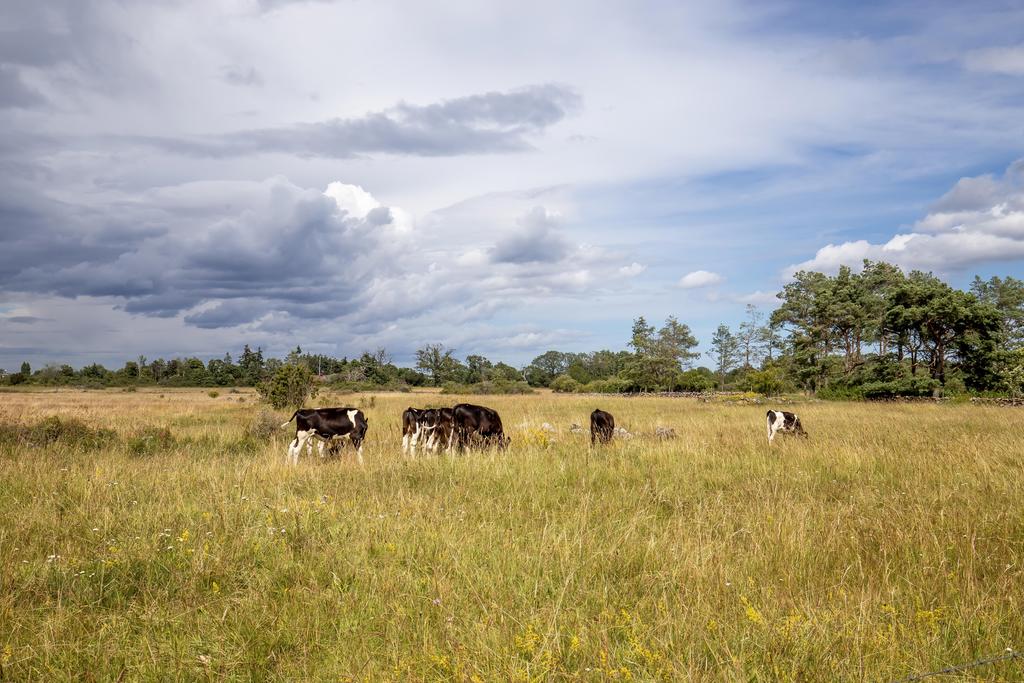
(888, 543)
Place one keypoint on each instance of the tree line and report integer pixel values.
(874, 333)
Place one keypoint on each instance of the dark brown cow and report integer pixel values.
(477, 424)
(602, 427)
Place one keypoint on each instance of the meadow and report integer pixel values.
(159, 535)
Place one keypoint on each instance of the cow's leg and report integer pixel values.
(357, 443)
(405, 443)
(301, 439)
(415, 440)
(771, 433)
(291, 447)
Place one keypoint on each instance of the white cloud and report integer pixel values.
(1001, 60)
(632, 270)
(758, 298)
(700, 278)
(979, 220)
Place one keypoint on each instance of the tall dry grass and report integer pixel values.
(180, 546)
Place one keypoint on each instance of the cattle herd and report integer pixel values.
(451, 429)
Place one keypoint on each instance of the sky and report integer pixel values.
(182, 177)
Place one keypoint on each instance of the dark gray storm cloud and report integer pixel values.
(234, 256)
(476, 124)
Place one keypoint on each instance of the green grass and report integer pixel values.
(888, 543)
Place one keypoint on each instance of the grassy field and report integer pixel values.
(178, 545)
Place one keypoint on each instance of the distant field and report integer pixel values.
(180, 546)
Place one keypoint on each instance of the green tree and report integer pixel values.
(804, 312)
(751, 336)
(1006, 295)
(251, 365)
(545, 367)
(439, 362)
(478, 368)
(725, 349)
(289, 387)
(659, 357)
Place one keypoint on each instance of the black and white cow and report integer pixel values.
(477, 424)
(785, 422)
(438, 424)
(602, 427)
(410, 424)
(431, 424)
(327, 424)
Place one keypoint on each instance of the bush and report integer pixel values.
(290, 387)
(490, 387)
(564, 384)
(840, 392)
(150, 440)
(54, 430)
(767, 382)
(909, 386)
(611, 385)
(213, 394)
(698, 379)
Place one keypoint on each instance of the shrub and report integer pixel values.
(698, 379)
(768, 382)
(66, 431)
(213, 394)
(263, 425)
(610, 385)
(150, 440)
(564, 384)
(498, 386)
(908, 386)
(290, 387)
(840, 392)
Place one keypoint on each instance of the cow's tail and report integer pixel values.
(290, 419)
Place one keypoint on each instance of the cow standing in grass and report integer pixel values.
(785, 422)
(474, 424)
(602, 427)
(327, 424)
(438, 424)
(410, 425)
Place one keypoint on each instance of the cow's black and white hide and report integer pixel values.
(410, 425)
(602, 427)
(431, 427)
(785, 422)
(438, 426)
(327, 424)
(477, 425)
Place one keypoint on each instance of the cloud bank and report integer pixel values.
(980, 220)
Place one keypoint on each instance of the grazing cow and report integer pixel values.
(439, 424)
(410, 423)
(785, 422)
(327, 424)
(602, 427)
(477, 424)
(432, 424)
